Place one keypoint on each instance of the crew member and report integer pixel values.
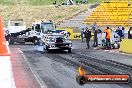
(108, 36)
(94, 26)
(95, 38)
(87, 36)
(82, 34)
(120, 32)
(7, 35)
(130, 33)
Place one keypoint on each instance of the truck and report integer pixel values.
(16, 31)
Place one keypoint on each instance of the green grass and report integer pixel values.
(6, 2)
(30, 13)
(39, 2)
(31, 2)
(94, 1)
(44, 2)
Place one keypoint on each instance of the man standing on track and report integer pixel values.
(87, 36)
(95, 38)
(108, 36)
(82, 34)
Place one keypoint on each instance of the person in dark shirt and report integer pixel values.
(82, 34)
(120, 33)
(94, 26)
(130, 33)
(87, 36)
(95, 38)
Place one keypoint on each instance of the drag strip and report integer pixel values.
(58, 69)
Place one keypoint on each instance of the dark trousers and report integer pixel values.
(87, 41)
(120, 38)
(95, 42)
(108, 44)
(7, 37)
(82, 38)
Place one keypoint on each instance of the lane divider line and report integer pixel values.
(37, 77)
(118, 52)
(13, 80)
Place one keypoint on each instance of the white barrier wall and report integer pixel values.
(6, 75)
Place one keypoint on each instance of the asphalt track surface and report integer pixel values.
(58, 68)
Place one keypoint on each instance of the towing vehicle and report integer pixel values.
(39, 30)
(16, 31)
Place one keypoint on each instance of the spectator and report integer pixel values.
(108, 36)
(7, 35)
(119, 32)
(94, 26)
(87, 36)
(63, 3)
(130, 33)
(54, 3)
(82, 34)
(123, 32)
(70, 2)
(99, 37)
(84, 1)
(95, 38)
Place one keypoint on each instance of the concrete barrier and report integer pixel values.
(126, 46)
(6, 74)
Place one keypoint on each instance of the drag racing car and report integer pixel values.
(56, 42)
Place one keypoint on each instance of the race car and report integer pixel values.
(57, 42)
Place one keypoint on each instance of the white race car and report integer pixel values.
(57, 42)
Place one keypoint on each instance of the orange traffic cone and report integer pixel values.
(3, 45)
